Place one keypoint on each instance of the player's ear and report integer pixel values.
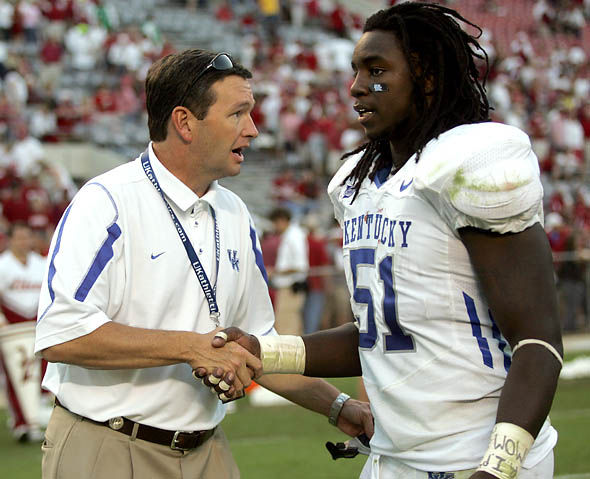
(181, 124)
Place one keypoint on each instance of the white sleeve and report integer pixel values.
(494, 184)
(255, 312)
(85, 278)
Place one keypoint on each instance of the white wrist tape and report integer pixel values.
(545, 344)
(508, 447)
(282, 354)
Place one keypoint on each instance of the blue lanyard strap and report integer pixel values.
(209, 291)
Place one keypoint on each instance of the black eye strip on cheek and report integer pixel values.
(378, 87)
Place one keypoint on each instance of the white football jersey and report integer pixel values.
(434, 361)
(20, 285)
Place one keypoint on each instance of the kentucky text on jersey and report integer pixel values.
(376, 226)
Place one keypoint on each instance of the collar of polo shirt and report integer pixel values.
(176, 191)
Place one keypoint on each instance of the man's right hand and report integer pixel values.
(224, 383)
(247, 341)
(230, 362)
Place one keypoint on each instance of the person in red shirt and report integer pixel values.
(315, 298)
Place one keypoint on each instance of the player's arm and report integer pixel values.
(516, 274)
(328, 353)
(317, 395)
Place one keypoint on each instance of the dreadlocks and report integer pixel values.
(447, 91)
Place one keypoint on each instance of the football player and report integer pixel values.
(449, 269)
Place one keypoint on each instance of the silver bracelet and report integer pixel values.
(336, 407)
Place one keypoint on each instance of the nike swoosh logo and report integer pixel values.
(403, 186)
(157, 255)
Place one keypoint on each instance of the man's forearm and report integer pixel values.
(117, 346)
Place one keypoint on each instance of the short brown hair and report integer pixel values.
(280, 213)
(169, 78)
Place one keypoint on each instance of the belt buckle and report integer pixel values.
(173, 445)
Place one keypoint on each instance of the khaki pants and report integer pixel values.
(289, 312)
(75, 448)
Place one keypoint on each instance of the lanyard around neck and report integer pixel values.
(209, 291)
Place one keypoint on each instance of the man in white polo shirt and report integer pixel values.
(146, 263)
(21, 275)
(289, 275)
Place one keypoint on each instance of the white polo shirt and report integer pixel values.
(116, 256)
(20, 285)
(291, 255)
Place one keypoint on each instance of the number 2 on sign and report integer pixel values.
(396, 339)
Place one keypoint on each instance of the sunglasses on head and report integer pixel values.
(220, 62)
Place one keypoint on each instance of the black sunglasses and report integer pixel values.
(220, 62)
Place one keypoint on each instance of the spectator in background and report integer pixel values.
(571, 275)
(289, 274)
(51, 69)
(319, 260)
(337, 304)
(27, 151)
(269, 244)
(558, 233)
(309, 190)
(6, 20)
(85, 42)
(270, 10)
(30, 17)
(44, 121)
(284, 192)
(21, 275)
(15, 89)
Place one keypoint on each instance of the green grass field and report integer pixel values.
(288, 442)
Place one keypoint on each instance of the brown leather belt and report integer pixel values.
(177, 440)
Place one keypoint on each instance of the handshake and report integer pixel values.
(229, 382)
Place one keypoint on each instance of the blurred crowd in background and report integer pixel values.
(73, 71)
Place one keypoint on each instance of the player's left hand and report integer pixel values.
(356, 418)
(220, 382)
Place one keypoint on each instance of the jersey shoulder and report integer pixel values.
(482, 174)
(468, 148)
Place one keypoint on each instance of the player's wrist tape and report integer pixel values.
(336, 407)
(282, 354)
(545, 344)
(508, 447)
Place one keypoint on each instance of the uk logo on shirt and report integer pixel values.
(233, 259)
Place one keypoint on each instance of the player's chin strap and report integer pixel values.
(349, 449)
